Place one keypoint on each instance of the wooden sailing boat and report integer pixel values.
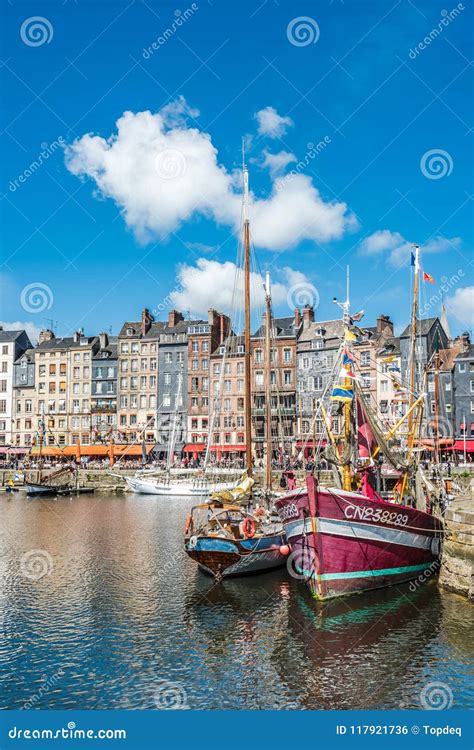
(151, 483)
(228, 536)
(42, 488)
(345, 541)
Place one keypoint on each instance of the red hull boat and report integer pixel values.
(345, 543)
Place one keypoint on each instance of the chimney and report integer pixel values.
(147, 320)
(463, 341)
(383, 321)
(45, 335)
(103, 340)
(308, 316)
(297, 317)
(174, 317)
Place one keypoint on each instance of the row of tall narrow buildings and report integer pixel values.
(186, 377)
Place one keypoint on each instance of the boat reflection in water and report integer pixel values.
(360, 652)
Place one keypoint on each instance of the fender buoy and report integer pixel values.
(188, 526)
(248, 528)
(193, 542)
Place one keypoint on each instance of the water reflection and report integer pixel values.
(124, 610)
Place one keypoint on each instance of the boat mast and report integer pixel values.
(412, 418)
(248, 353)
(413, 333)
(436, 405)
(268, 386)
(347, 408)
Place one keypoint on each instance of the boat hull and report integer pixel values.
(40, 490)
(186, 489)
(224, 558)
(343, 543)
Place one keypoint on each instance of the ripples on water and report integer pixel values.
(124, 612)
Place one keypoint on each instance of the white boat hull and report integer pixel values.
(171, 489)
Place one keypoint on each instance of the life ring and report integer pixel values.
(193, 542)
(248, 528)
(188, 526)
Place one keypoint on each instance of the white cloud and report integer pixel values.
(397, 249)
(210, 283)
(276, 163)
(31, 329)
(461, 305)
(272, 124)
(162, 174)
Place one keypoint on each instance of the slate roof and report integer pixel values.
(423, 327)
(284, 328)
(8, 336)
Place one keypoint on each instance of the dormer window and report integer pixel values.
(240, 349)
(104, 355)
(84, 342)
(129, 331)
(320, 332)
(23, 363)
(222, 349)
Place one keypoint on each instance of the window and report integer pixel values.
(124, 349)
(194, 364)
(168, 358)
(447, 386)
(305, 426)
(318, 383)
(240, 368)
(305, 363)
(365, 380)
(205, 364)
(240, 349)
(195, 346)
(205, 384)
(258, 356)
(384, 386)
(365, 359)
(205, 346)
(167, 378)
(166, 399)
(227, 406)
(240, 385)
(259, 380)
(286, 355)
(287, 377)
(227, 385)
(180, 357)
(317, 344)
(217, 369)
(462, 367)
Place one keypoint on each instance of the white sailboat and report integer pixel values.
(201, 486)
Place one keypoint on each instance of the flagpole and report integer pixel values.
(464, 436)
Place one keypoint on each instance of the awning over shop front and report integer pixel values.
(226, 448)
(459, 446)
(14, 450)
(93, 450)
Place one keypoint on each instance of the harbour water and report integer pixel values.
(101, 608)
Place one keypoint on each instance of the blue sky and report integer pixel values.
(395, 167)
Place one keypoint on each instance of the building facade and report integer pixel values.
(12, 344)
(104, 390)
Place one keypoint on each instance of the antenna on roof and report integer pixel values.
(52, 324)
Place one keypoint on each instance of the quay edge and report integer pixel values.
(457, 564)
